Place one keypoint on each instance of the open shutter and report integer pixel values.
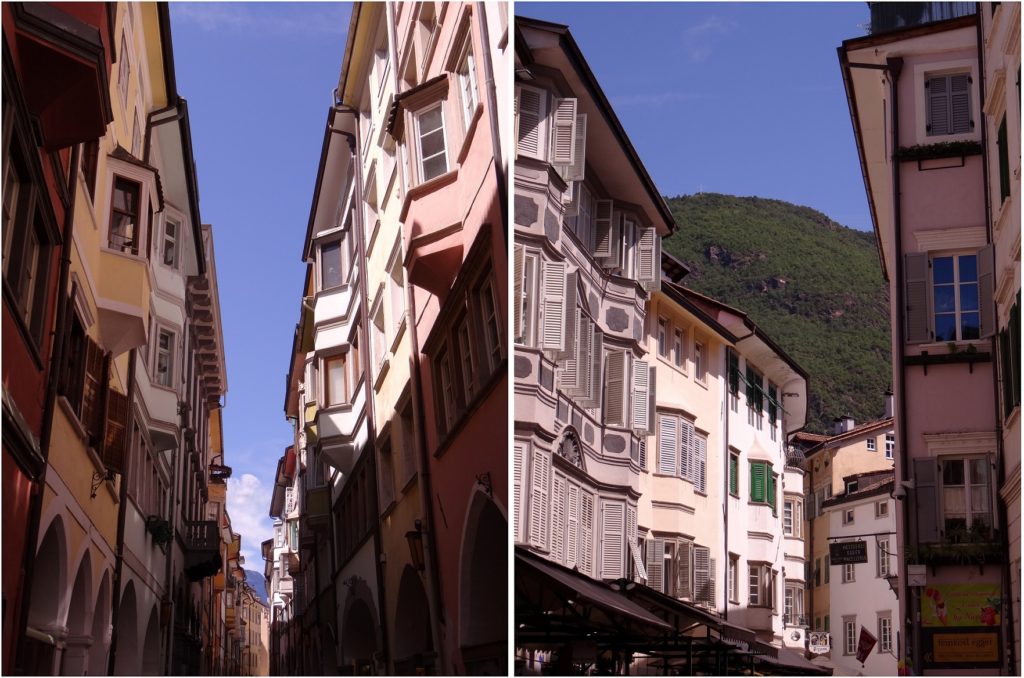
(576, 171)
(684, 576)
(530, 110)
(668, 441)
(734, 373)
(539, 499)
(596, 358)
(553, 322)
(773, 398)
(734, 463)
(519, 286)
(648, 265)
(572, 525)
(93, 392)
(986, 290)
(938, 105)
(563, 131)
(115, 439)
(641, 397)
(686, 460)
(616, 404)
(702, 463)
(701, 575)
(519, 450)
(586, 533)
(613, 528)
(771, 478)
(757, 482)
(603, 212)
(916, 274)
(926, 499)
(569, 377)
(960, 104)
(712, 577)
(571, 198)
(558, 526)
(572, 317)
(656, 564)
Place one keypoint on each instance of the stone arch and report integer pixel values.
(126, 659)
(151, 664)
(49, 579)
(412, 625)
(100, 628)
(359, 629)
(75, 659)
(483, 598)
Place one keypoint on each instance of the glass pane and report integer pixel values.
(169, 253)
(430, 120)
(968, 268)
(953, 472)
(330, 265)
(335, 381)
(953, 501)
(945, 327)
(435, 167)
(432, 143)
(970, 326)
(945, 301)
(165, 341)
(954, 524)
(942, 270)
(979, 471)
(969, 297)
(979, 499)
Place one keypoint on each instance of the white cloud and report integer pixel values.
(265, 18)
(699, 39)
(249, 506)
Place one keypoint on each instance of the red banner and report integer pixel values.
(865, 644)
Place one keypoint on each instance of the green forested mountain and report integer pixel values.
(815, 286)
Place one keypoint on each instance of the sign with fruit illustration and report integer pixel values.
(959, 605)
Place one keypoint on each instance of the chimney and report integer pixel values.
(888, 404)
(837, 426)
(843, 424)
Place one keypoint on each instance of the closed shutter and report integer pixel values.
(683, 562)
(702, 463)
(686, 460)
(553, 322)
(960, 103)
(986, 290)
(563, 131)
(96, 365)
(558, 526)
(530, 110)
(643, 453)
(1002, 143)
(596, 357)
(569, 377)
(519, 452)
(641, 397)
(771, 478)
(539, 499)
(115, 439)
(668, 443)
(773, 398)
(603, 229)
(647, 264)
(612, 533)
(712, 577)
(702, 575)
(586, 533)
(656, 564)
(519, 285)
(616, 397)
(734, 463)
(916, 292)
(572, 525)
(926, 498)
(734, 373)
(576, 171)
(938, 105)
(572, 317)
(758, 484)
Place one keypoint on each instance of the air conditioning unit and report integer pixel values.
(794, 636)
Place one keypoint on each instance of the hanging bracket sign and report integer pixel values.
(846, 552)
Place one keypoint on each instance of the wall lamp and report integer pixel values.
(415, 539)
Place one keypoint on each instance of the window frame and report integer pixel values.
(796, 516)
(884, 633)
(871, 445)
(849, 636)
(969, 514)
(882, 556)
(329, 398)
(849, 573)
(921, 74)
(172, 351)
(467, 61)
(890, 446)
(957, 286)
(179, 224)
(733, 579)
(418, 145)
(700, 368)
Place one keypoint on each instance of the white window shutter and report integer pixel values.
(612, 532)
(631, 523)
(572, 525)
(668, 444)
(603, 212)
(563, 131)
(576, 170)
(700, 482)
(652, 398)
(614, 261)
(938, 105)
(712, 594)
(960, 104)
(686, 461)
(684, 567)
(641, 397)
(701, 575)
(571, 198)
(586, 533)
(647, 264)
(531, 113)
(517, 498)
(916, 281)
(553, 322)
(519, 264)
(596, 357)
(569, 375)
(572, 316)
(656, 564)
(616, 403)
(558, 526)
(986, 290)
(540, 505)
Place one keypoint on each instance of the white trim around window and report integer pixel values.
(922, 72)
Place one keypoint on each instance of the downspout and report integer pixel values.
(50, 401)
(170, 559)
(492, 115)
(119, 555)
(725, 504)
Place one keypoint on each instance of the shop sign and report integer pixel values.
(965, 648)
(960, 605)
(846, 552)
(818, 642)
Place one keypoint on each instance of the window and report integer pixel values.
(278, 536)
(760, 585)
(335, 383)
(762, 483)
(847, 516)
(817, 571)
(1009, 360)
(682, 451)
(849, 570)
(380, 347)
(792, 517)
(136, 138)
(849, 635)
(827, 565)
(955, 297)
(966, 503)
(881, 509)
(526, 294)
(430, 137)
(293, 533)
(165, 358)
(949, 104)
(1004, 162)
(884, 634)
(663, 338)
(734, 381)
(386, 476)
(467, 83)
(700, 371)
(883, 557)
(890, 445)
(124, 70)
(871, 444)
(396, 292)
(773, 409)
(124, 216)
(488, 308)
(794, 605)
(826, 624)
(734, 578)
(331, 265)
(572, 524)
(851, 486)
(734, 472)
(679, 348)
(169, 246)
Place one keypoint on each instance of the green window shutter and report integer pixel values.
(734, 475)
(757, 481)
(734, 374)
(751, 391)
(773, 398)
(759, 392)
(770, 478)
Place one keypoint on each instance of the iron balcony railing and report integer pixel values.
(795, 619)
(202, 535)
(891, 16)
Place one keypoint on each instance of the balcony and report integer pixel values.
(339, 427)
(123, 301)
(892, 16)
(202, 549)
(433, 233)
(796, 620)
(318, 507)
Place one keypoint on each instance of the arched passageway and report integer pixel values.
(126, 658)
(151, 664)
(75, 659)
(45, 613)
(413, 646)
(483, 598)
(100, 629)
(358, 638)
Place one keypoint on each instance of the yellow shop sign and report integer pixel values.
(960, 605)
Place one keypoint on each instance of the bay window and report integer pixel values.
(792, 517)
(335, 382)
(169, 242)
(164, 366)
(331, 268)
(761, 585)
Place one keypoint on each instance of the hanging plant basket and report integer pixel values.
(160, 529)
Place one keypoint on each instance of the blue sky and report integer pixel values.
(738, 98)
(258, 80)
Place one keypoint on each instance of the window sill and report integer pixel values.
(398, 334)
(158, 385)
(471, 128)
(960, 357)
(382, 370)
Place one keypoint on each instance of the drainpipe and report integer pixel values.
(50, 398)
(169, 663)
(492, 114)
(119, 555)
(725, 504)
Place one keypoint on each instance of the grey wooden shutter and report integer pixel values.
(530, 110)
(572, 525)
(686, 456)
(684, 577)
(926, 499)
(563, 131)
(603, 211)
(701, 575)
(641, 397)
(656, 564)
(937, 91)
(519, 265)
(915, 272)
(616, 403)
(517, 497)
(558, 526)
(586, 533)
(648, 265)
(539, 499)
(986, 290)
(702, 463)
(553, 320)
(668, 441)
(576, 170)
(613, 528)
(960, 104)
